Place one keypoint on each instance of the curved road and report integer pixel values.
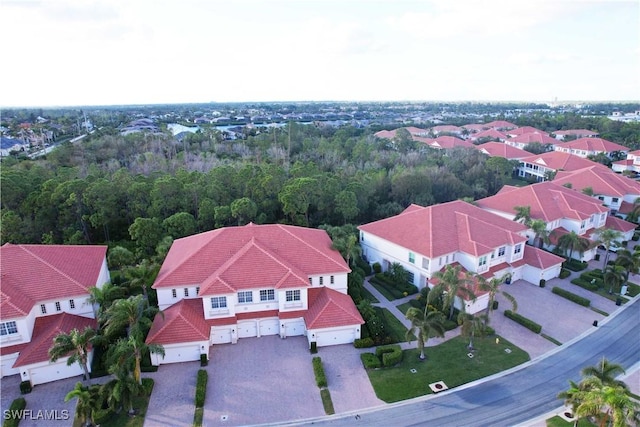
(515, 396)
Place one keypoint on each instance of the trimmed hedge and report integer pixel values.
(201, 387)
(17, 406)
(586, 284)
(377, 268)
(318, 370)
(25, 387)
(147, 386)
(370, 361)
(389, 354)
(363, 342)
(527, 323)
(574, 265)
(571, 296)
(564, 273)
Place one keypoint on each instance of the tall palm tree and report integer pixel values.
(573, 242)
(121, 390)
(129, 352)
(541, 234)
(572, 398)
(606, 372)
(75, 344)
(101, 298)
(628, 260)
(142, 276)
(133, 314)
(608, 238)
(523, 214)
(450, 285)
(88, 402)
(492, 286)
(611, 405)
(348, 247)
(634, 215)
(614, 277)
(472, 325)
(423, 324)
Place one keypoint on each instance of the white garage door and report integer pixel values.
(221, 335)
(184, 353)
(6, 363)
(335, 337)
(551, 273)
(54, 372)
(269, 327)
(294, 329)
(247, 329)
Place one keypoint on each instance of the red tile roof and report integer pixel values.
(540, 258)
(416, 131)
(502, 150)
(558, 160)
(489, 133)
(329, 308)
(447, 227)
(626, 207)
(548, 201)
(45, 329)
(34, 273)
(525, 129)
(500, 124)
(446, 128)
(602, 181)
(232, 258)
(291, 314)
(593, 144)
(182, 322)
(475, 127)
(257, 314)
(528, 138)
(450, 142)
(388, 134)
(619, 224)
(424, 140)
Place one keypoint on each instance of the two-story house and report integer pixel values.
(631, 163)
(45, 292)
(562, 135)
(521, 141)
(239, 282)
(584, 147)
(426, 239)
(540, 167)
(493, 149)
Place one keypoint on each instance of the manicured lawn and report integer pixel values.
(404, 307)
(446, 362)
(393, 327)
(368, 295)
(325, 395)
(383, 291)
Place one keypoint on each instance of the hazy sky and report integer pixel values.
(82, 52)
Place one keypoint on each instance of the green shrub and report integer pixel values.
(17, 406)
(489, 331)
(389, 354)
(527, 323)
(318, 370)
(25, 387)
(101, 416)
(586, 284)
(377, 268)
(364, 265)
(635, 237)
(201, 387)
(147, 386)
(575, 265)
(564, 273)
(450, 325)
(571, 296)
(204, 361)
(327, 403)
(363, 342)
(370, 360)
(148, 368)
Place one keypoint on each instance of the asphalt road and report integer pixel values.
(515, 396)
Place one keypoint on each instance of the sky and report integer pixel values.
(120, 52)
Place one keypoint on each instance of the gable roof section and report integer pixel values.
(577, 132)
(593, 144)
(475, 127)
(329, 308)
(45, 329)
(525, 129)
(33, 273)
(619, 224)
(601, 181)
(528, 138)
(548, 201)
(559, 160)
(445, 228)
(182, 322)
(500, 124)
(489, 133)
(450, 142)
(388, 134)
(540, 258)
(500, 149)
(232, 258)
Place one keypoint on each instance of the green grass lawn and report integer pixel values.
(404, 307)
(368, 295)
(393, 327)
(383, 291)
(559, 422)
(446, 362)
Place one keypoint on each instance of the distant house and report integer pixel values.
(239, 282)
(521, 141)
(9, 145)
(448, 142)
(385, 134)
(578, 133)
(501, 125)
(631, 163)
(499, 149)
(523, 130)
(492, 134)
(437, 130)
(584, 147)
(424, 240)
(538, 167)
(45, 292)
(475, 127)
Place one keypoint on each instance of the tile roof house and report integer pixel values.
(523, 130)
(539, 166)
(561, 135)
(615, 191)
(447, 142)
(475, 127)
(584, 147)
(500, 125)
(492, 134)
(563, 209)
(500, 149)
(426, 239)
(251, 281)
(631, 163)
(44, 292)
(437, 130)
(525, 139)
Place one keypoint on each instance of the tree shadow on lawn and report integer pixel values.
(448, 362)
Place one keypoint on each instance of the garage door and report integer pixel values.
(294, 329)
(6, 363)
(335, 337)
(221, 335)
(247, 329)
(269, 327)
(183, 353)
(54, 372)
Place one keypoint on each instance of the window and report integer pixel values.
(218, 302)
(174, 294)
(43, 309)
(268, 294)
(482, 261)
(582, 224)
(321, 280)
(412, 258)
(197, 290)
(293, 295)
(517, 249)
(72, 304)
(186, 292)
(410, 276)
(501, 250)
(311, 280)
(332, 280)
(58, 307)
(614, 200)
(362, 237)
(602, 216)
(8, 328)
(245, 297)
(425, 263)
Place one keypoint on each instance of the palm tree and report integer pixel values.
(541, 234)
(450, 285)
(142, 276)
(104, 296)
(423, 323)
(629, 261)
(133, 314)
(348, 247)
(572, 242)
(606, 372)
(614, 276)
(121, 390)
(611, 405)
(634, 215)
(472, 326)
(523, 214)
(608, 238)
(76, 345)
(129, 351)
(88, 401)
(572, 398)
(492, 286)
